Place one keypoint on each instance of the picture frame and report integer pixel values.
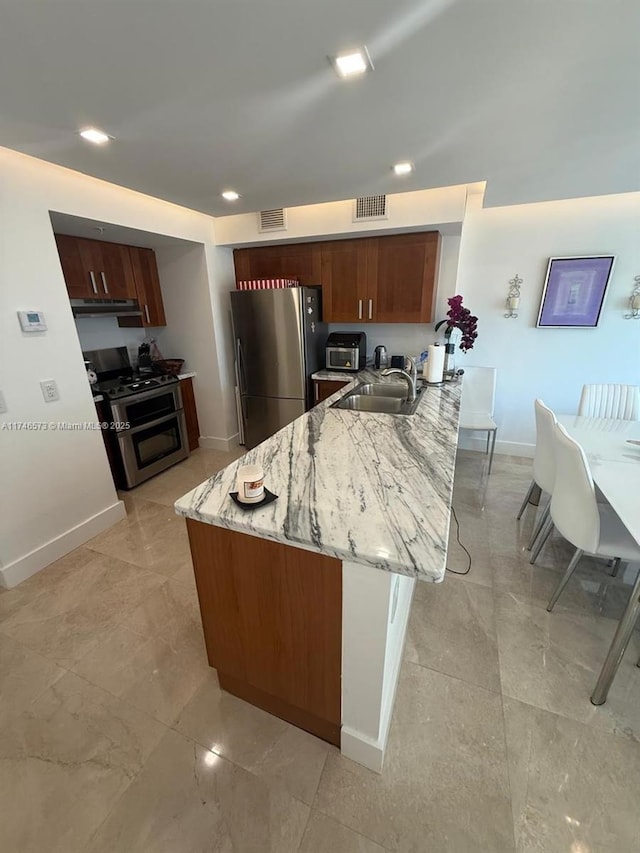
(574, 292)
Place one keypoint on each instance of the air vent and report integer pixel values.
(272, 220)
(369, 207)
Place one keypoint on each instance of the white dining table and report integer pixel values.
(614, 459)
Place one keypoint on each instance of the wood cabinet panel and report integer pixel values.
(295, 260)
(190, 413)
(147, 285)
(75, 267)
(345, 291)
(272, 620)
(403, 287)
(116, 274)
(323, 388)
(389, 279)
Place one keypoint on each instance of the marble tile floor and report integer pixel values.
(116, 738)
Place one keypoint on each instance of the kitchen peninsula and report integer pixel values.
(305, 601)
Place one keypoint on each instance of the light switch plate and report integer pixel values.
(49, 390)
(3, 404)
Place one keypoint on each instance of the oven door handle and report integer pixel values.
(123, 433)
(119, 407)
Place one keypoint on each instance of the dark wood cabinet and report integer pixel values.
(76, 266)
(345, 280)
(190, 413)
(403, 283)
(295, 260)
(116, 273)
(323, 388)
(389, 279)
(95, 269)
(147, 284)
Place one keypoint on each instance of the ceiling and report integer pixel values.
(540, 99)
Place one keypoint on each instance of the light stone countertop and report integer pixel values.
(374, 489)
(188, 375)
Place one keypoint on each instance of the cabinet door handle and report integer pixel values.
(146, 312)
(315, 391)
(93, 281)
(359, 309)
(371, 309)
(104, 282)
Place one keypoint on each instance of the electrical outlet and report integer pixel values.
(49, 390)
(3, 404)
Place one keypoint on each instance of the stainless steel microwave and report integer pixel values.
(346, 351)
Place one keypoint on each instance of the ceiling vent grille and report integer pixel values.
(369, 207)
(272, 220)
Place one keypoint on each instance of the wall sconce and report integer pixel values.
(634, 301)
(513, 297)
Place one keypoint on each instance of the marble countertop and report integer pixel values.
(187, 375)
(340, 375)
(370, 488)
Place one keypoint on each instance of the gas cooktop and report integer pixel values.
(125, 386)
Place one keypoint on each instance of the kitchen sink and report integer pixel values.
(390, 398)
(382, 389)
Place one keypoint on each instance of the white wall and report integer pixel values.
(553, 364)
(423, 209)
(104, 332)
(55, 487)
(191, 333)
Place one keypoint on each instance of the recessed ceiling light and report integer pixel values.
(93, 134)
(231, 195)
(352, 63)
(403, 168)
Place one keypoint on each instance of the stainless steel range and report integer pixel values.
(147, 425)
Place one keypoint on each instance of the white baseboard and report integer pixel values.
(211, 442)
(22, 568)
(508, 448)
(358, 747)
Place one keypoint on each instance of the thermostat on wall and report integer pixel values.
(32, 321)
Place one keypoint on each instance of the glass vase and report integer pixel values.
(449, 360)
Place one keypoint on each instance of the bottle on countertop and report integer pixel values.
(380, 359)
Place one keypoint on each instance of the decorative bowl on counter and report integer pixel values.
(168, 365)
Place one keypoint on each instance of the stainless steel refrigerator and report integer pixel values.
(279, 343)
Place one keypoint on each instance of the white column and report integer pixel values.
(375, 614)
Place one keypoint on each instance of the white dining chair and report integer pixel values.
(592, 528)
(610, 401)
(544, 464)
(477, 403)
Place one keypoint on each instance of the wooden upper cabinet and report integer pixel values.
(345, 293)
(95, 269)
(294, 260)
(389, 279)
(116, 279)
(147, 284)
(403, 284)
(76, 273)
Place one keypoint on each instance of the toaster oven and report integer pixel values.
(346, 351)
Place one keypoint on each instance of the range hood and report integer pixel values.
(105, 308)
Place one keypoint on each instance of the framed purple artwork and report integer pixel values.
(574, 292)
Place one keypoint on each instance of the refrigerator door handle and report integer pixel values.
(241, 382)
(242, 385)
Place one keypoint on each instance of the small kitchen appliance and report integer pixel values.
(346, 351)
(380, 358)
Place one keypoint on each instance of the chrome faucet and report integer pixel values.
(412, 378)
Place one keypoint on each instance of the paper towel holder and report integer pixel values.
(513, 297)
